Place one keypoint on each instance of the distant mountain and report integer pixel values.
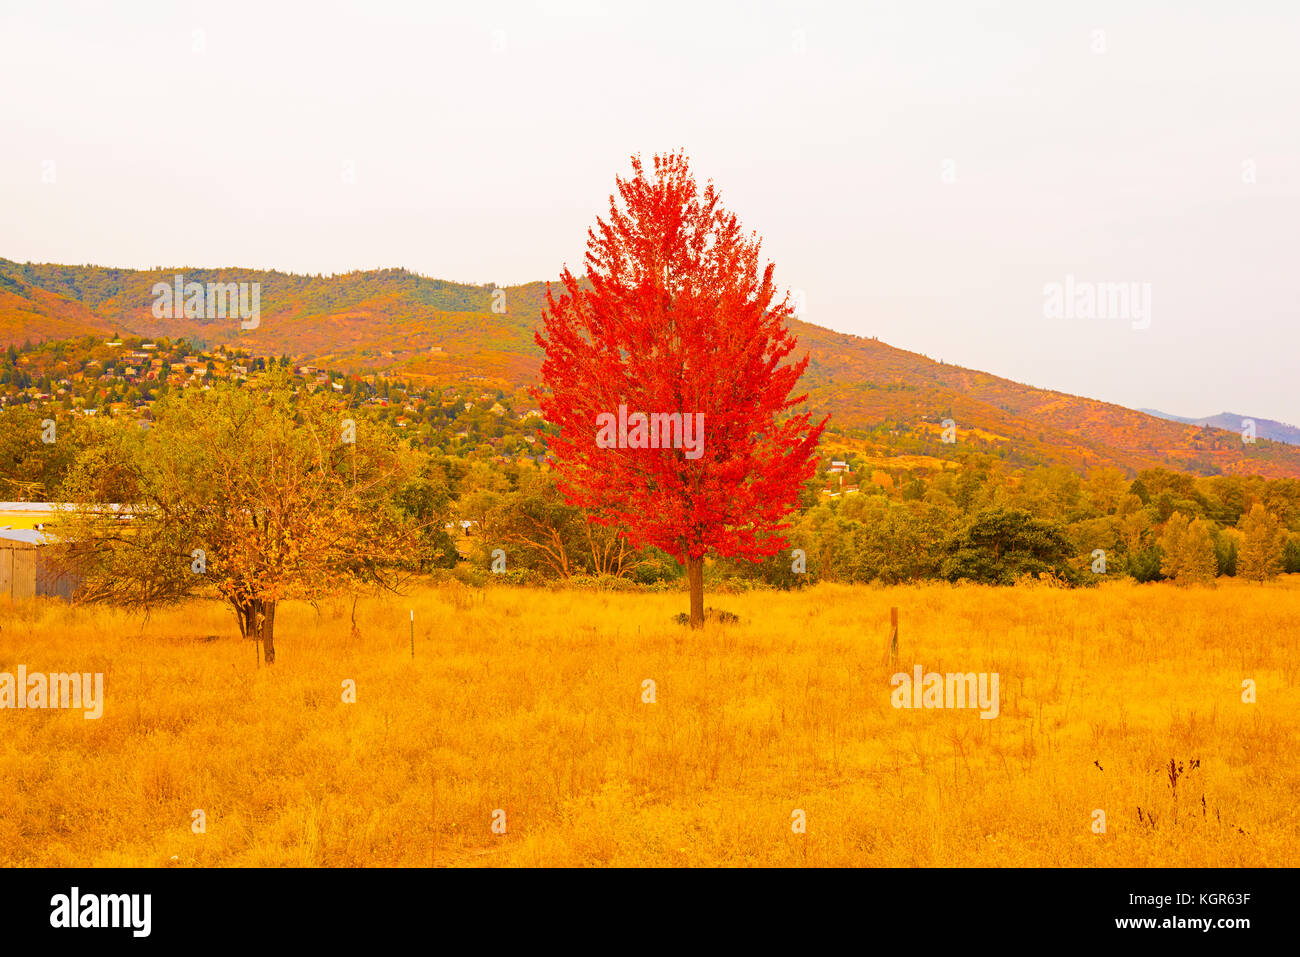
(1232, 422)
(398, 323)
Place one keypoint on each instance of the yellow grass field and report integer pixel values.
(531, 702)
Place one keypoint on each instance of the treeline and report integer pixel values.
(483, 517)
(123, 293)
(986, 523)
(979, 523)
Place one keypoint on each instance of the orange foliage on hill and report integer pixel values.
(437, 332)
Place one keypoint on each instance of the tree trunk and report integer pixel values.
(695, 576)
(268, 631)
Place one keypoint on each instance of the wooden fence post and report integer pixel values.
(893, 635)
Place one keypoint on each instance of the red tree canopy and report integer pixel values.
(677, 326)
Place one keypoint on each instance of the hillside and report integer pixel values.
(432, 331)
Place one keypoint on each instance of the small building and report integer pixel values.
(26, 568)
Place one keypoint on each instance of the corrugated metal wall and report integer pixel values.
(17, 570)
(26, 571)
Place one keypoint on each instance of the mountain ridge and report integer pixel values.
(1231, 421)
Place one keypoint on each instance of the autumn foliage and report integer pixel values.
(677, 316)
(253, 493)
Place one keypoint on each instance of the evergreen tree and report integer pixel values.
(1225, 551)
(1291, 556)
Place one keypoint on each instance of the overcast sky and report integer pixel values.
(920, 171)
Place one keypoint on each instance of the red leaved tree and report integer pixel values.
(665, 373)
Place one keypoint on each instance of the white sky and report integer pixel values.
(484, 139)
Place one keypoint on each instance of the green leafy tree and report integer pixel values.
(1001, 545)
(1291, 555)
(31, 468)
(895, 543)
(1225, 554)
(425, 500)
(1145, 563)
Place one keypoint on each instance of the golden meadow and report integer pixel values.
(533, 703)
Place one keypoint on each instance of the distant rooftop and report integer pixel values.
(55, 507)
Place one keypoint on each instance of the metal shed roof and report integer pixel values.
(28, 535)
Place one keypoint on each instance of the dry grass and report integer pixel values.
(530, 701)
